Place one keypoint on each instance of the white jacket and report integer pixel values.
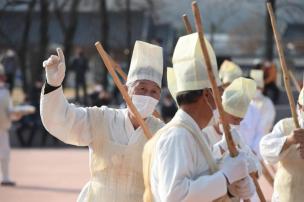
(115, 147)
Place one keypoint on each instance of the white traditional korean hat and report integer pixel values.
(189, 65)
(146, 63)
(229, 71)
(258, 76)
(171, 82)
(238, 95)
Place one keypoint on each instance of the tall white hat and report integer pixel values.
(258, 76)
(229, 71)
(171, 82)
(146, 63)
(189, 64)
(238, 95)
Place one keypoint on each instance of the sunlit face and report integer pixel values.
(234, 120)
(144, 87)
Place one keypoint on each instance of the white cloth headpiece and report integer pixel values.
(171, 82)
(238, 95)
(258, 76)
(229, 71)
(146, 63)
(189, 64)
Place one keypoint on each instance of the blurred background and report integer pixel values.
(31, 30)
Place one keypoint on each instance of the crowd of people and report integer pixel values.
(187, 159)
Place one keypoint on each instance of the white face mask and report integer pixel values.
(144, 104)
(236, 127)
(215, 116)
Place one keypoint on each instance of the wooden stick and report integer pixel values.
(216, 95)
(283, 65)
(267, 174)
(294, 80)
(108, 64)
(187, 24)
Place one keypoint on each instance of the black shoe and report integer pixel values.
(8, 183)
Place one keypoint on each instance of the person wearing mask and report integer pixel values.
(235, 100)
(178, 164)
(114, 137)
(285, 145)
(250, 125)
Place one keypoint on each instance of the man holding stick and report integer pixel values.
(114, 136)
(178, 163)
(250, 126)
(285, 145)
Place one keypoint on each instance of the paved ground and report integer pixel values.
(54, 175)
(47, 175)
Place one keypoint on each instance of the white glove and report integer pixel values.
(254, 164)
(235, 168)
(235, 136)
(243, 189)
(55, 68)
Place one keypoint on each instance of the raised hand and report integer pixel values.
(55, 68)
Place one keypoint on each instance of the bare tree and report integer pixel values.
(104, 31)
(22, 49)
(68, 26)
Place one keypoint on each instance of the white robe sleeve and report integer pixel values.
(174, 167)
(65, 121)
(271, 145)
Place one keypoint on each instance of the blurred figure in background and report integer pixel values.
(5, 124)
(7, 114)
(250, 125)
(168, 107)
(10, 66)
(100, 97)
(270, 76)
(80, 66)
(263, 103)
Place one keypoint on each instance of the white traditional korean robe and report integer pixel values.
(180, 170)
(289, 179)
(251, 128)
(115, 147)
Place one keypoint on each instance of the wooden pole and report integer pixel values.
(216, 95)
(187, 24)
(294, 80)
(277, 38)
(109, 66)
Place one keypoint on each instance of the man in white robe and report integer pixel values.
(250, 126)
(263, 103)
(114, 137)
(178, 163)
(285, 145)
(8, 113)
